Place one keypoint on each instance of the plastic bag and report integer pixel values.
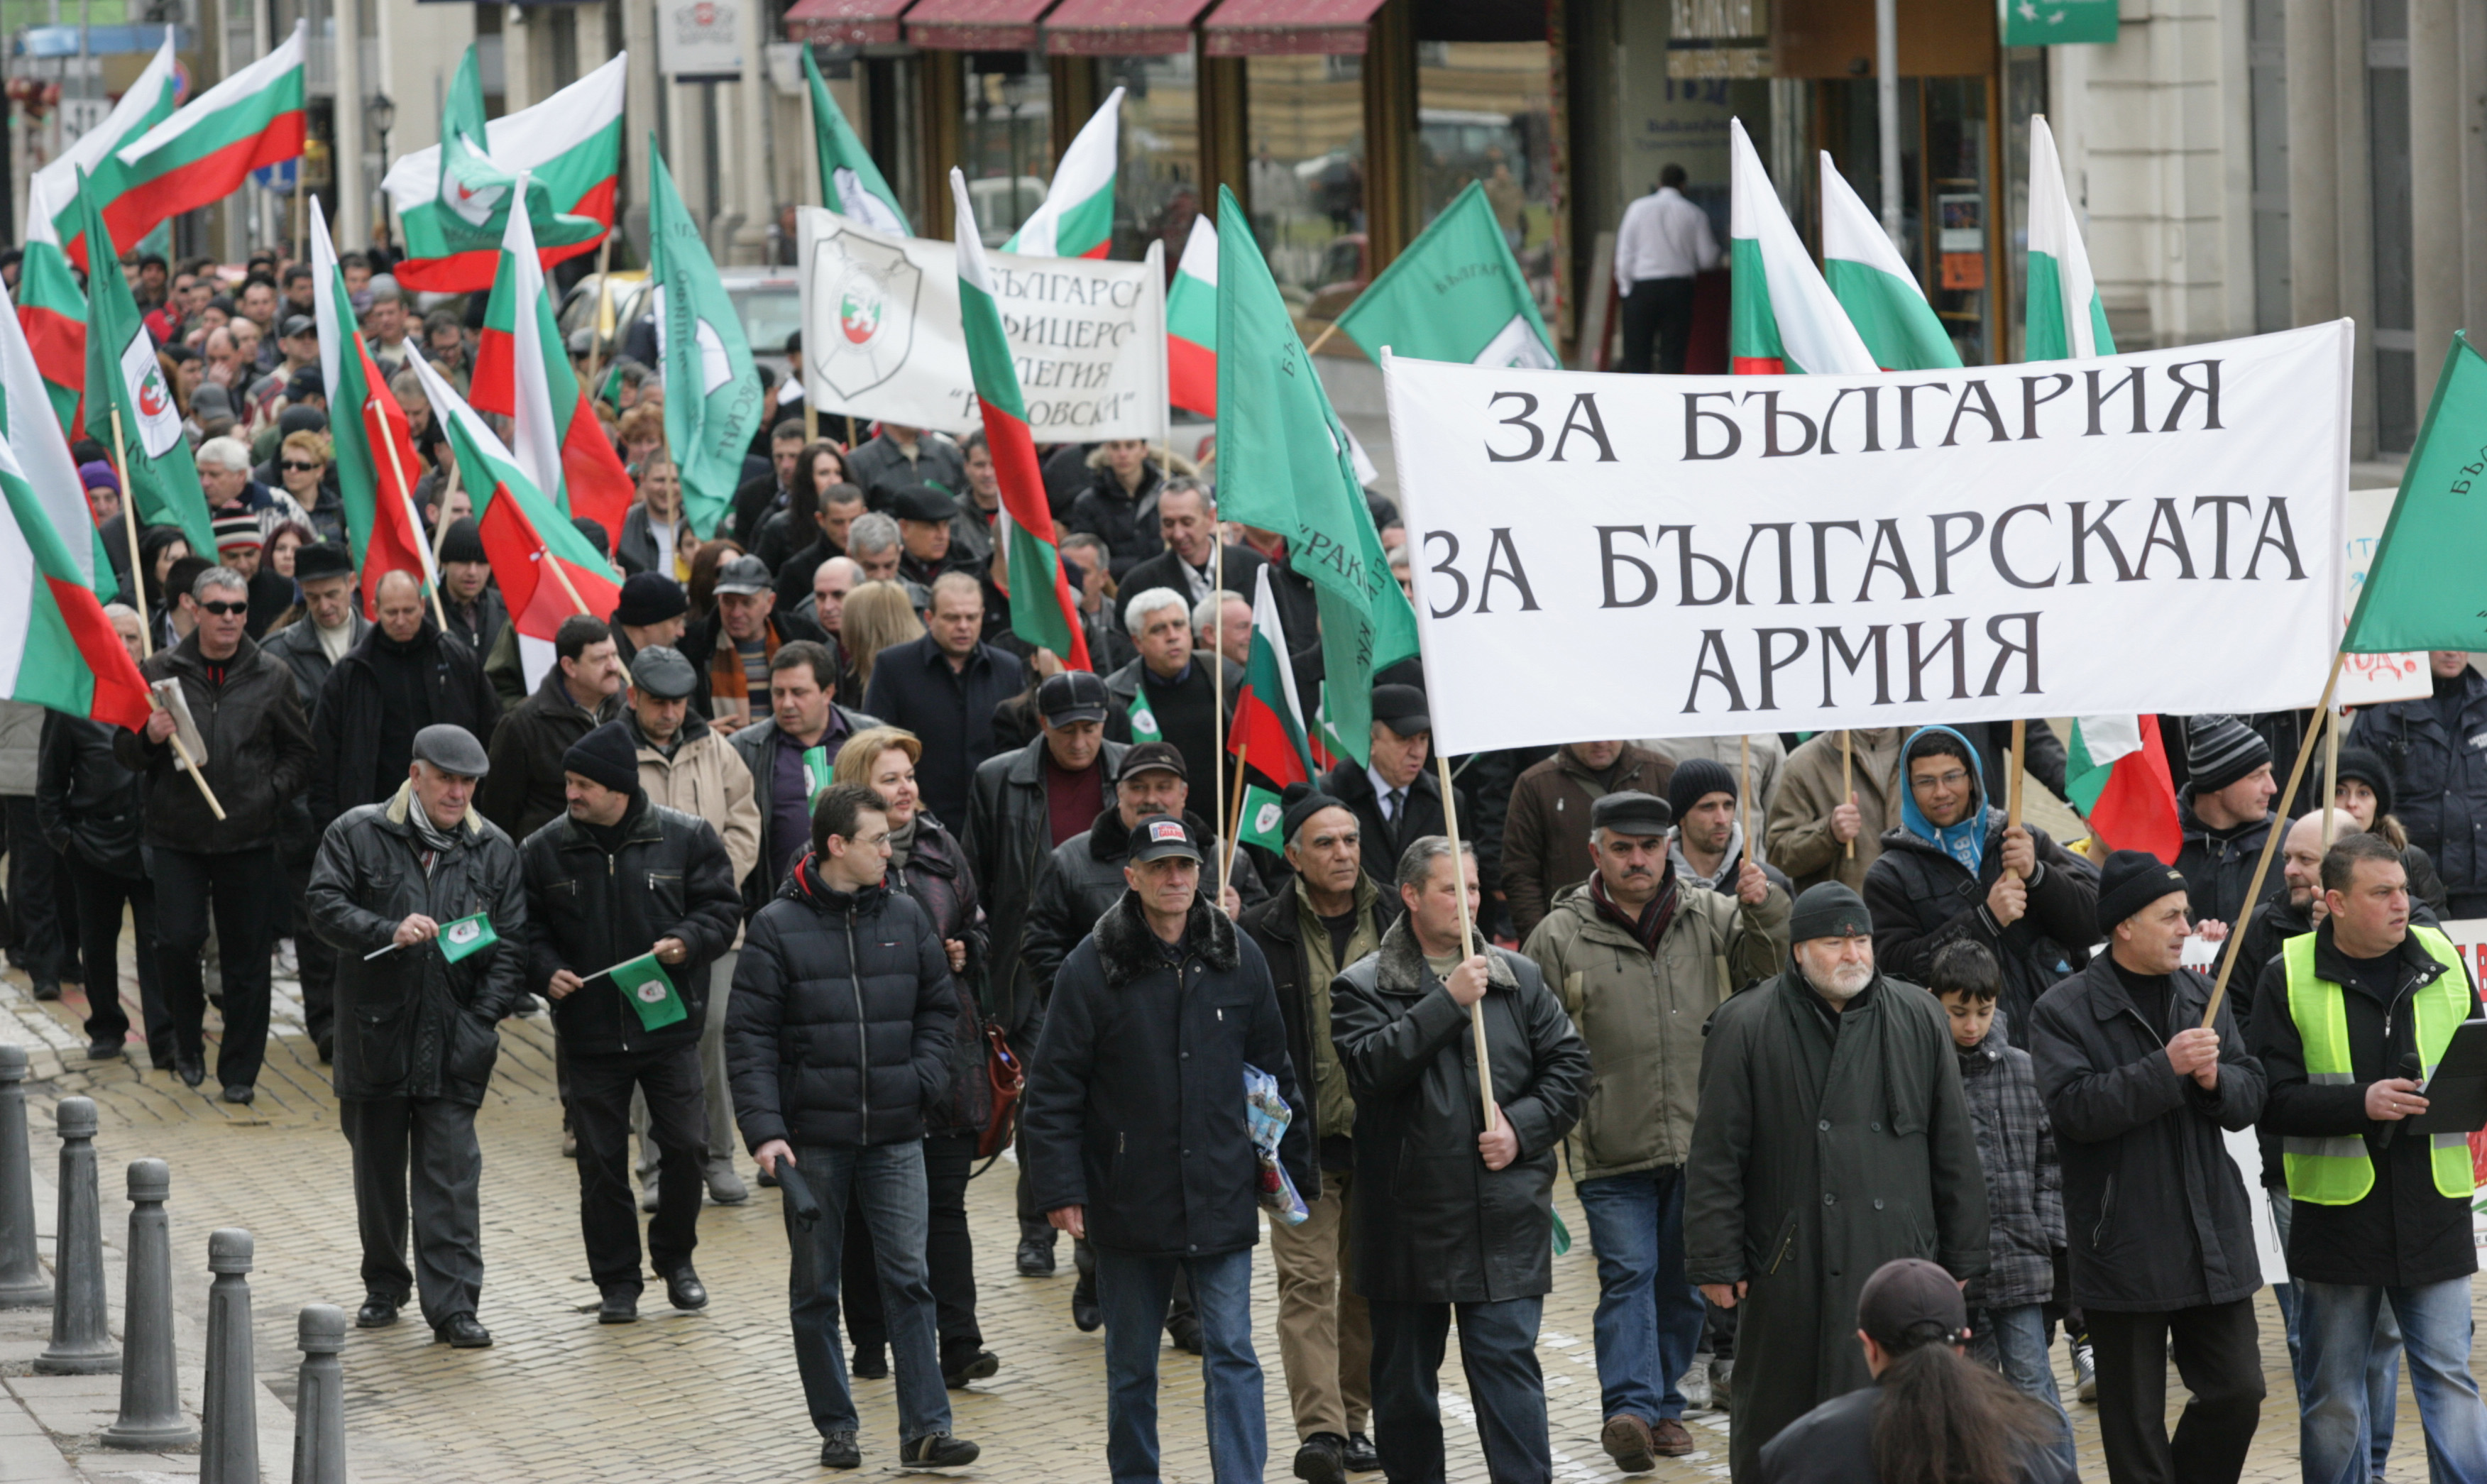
(1267, 1114)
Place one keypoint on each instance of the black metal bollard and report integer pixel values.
(151, 1387)
(81, 1337)
(22, 1284)
(320, 1398)
(229, 1449)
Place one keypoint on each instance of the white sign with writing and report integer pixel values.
(1664, 557)
(697, 38)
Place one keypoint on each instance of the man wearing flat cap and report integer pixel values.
(734, 644)
(2141, 1094)
(924, 518)
(1642, 958)
(1832, 1137)
(329, 626)
(399, 888)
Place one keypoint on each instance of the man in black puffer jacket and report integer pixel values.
(615, 878)
(837, 1037)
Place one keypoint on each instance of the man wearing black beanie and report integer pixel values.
(2140, 1093)
(2226, 814)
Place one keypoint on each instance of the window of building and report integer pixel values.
(1485, 113)
(1006, 144)
(1156, 185)
(1306, 177)
(2395, 320)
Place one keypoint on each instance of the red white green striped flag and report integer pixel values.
(53, 217)
(1077, 218)
(1782, 318)
(375, 449)
(1043, 609)
(1873, 284)
(545, 569)
(2066, 321)
(1268, 731)
(2116, 773)
(522, 374)
(51, 311)
(1192, 323)
(42, 455)
(205, 150)
(124, 376)
(572, 146)
(56, 647)
(851, 183)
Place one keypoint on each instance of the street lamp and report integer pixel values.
(383, 114)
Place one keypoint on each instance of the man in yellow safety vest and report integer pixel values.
(2349, 1020)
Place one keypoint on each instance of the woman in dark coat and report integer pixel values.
(927, 862)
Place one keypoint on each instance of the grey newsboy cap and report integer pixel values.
(662, 671)
(1631, 813)
(453, 750)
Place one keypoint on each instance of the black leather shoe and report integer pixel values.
(102, 1050)
(240, 1092)
(1184, 1331)
(191, 1070)
(685, 1290)
(1035, 1258)
(378, 1312)
(973, 1367)
(1323, 1459)
(1084, 1312)
(838, 1450)
(1361, 1455)
(937, 1451)
(47, 989)
(620, 1306)
(461, 1331)
(870, 1363)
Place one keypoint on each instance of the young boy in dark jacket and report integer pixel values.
(2025, 1186)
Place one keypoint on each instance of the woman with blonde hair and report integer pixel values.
(928, 864)
(878, 615)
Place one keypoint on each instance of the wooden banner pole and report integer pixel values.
(1467, 936)
(2271, 841)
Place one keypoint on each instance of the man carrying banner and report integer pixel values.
(616, 877)
(1838, 792)
(415, 895)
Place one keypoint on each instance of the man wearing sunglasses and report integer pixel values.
(258, 755)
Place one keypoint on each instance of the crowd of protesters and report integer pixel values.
(1866, 1088)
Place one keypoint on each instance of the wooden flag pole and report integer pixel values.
(1234, 829)
(2012, 783)
(1744, 791)
(1468, 938)
(406, 497)
(2271, 841)
(2330, 772)
(1322, 338)
(190, 765)
(1847, 777)
(129, 528)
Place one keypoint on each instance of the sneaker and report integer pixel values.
(1323, 1459)
(838, 1450)
(2084, 1370)
(1694, 1383)
(937, 1451)
(1628, 1441)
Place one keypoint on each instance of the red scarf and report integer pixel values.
(1651, 925)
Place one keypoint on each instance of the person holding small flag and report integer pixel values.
(416, 894)
(614, 882)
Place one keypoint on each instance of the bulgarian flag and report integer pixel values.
(2065, 320)
(1077, 219)
(545, 569)
(1268, 732)
(570, 144)
(56, 647)
(1192, 323)
(205, 150)
(522, 374)
(51, 313)
(851, 183)
(1028, 554)
(2116, 774)
(374, 450)
(1872, 282)
(43, 456)
(124, 379)
(1782, 318)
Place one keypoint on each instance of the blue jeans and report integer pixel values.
(2337, 1324)
(1498, 1352)
(2020, 1337)
(2382, 1366)
(1133, 1292)
(1649, 1317)
(887, 1182)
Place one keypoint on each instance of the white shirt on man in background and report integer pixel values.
(1663, 235)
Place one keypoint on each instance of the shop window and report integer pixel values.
(1005, 142)
(1157, 187)
(1485, 113)
(1305, 178)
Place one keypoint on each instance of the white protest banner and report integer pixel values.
(883, 338)
(1664, 557)
(2370, 679)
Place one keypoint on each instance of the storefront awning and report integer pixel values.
(844, 23)
(1097, 28)
(975, 25)
(1276, 28)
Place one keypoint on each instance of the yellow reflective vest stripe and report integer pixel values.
(2338, 1171)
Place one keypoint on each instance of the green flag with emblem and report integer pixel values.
(466, 935)
(644, 983)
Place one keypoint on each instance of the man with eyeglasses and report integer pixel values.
(258, 755)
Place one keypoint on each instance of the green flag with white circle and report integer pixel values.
(1144, 721)
(1263, 822)
(466, 935)
(643, 983)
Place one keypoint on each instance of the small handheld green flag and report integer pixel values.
(466, 935)
(1144, 721)
(817, 772)
(1263, 819)
(644, 984)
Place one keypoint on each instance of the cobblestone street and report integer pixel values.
(677, 1396)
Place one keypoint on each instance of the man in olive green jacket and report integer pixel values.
(1640, 960)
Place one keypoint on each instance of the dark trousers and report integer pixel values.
(1498, 1352)
(100, 897)
(1659, 309)
(600, 1084)
(2219, 1357)
(245, 890)
(1033, 1224)
(39, 906)
(949, 1258)
(425, 1148)
(314, 960)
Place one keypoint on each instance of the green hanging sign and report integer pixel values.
(2059, 22)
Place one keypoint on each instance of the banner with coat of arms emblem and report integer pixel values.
(884, 340)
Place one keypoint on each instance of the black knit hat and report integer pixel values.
(607, 756)
(1829, 910)
(2130, 881)
(2360, 763)
(462, 542)
(650, 597)
(2219, 750)
(1303, 801)
(1697, 780)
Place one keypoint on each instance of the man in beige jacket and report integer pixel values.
(1814, 820)
(684, 764)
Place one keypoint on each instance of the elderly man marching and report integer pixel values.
(422, 899)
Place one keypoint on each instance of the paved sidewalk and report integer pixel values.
(677, 1396)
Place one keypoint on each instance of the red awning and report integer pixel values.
(844, 23)
(1093, 28)
(1273, 28)
(975, 25)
